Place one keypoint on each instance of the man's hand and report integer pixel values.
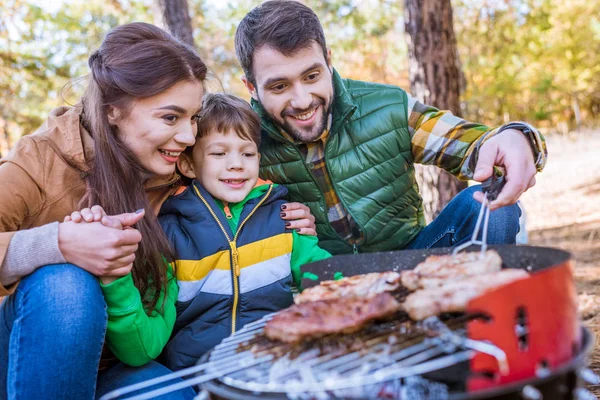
(509, 149)
(104, 248)
(299, 218)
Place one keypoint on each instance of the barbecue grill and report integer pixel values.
(520, 341)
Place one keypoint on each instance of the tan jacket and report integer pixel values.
(43, 178)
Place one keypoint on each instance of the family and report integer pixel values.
(146, 223)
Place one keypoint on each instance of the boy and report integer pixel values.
(235, 258)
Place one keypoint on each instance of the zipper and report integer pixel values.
(362, 228)
(235, 263)
(322, 200)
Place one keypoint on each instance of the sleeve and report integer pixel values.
(30, 249)
(22, 199)
(440, 138)
(132, 335)
(305, 249)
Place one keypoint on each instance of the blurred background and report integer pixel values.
(532, 60)
(488, 61)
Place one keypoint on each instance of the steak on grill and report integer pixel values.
(455, 295)
(323, 317)
(366, 285)
(437, 271)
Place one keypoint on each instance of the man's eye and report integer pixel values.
(312, 77)
(279, 88)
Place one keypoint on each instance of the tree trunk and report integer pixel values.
(435, 79)
(176, 17)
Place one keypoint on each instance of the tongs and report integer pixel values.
(491, 187)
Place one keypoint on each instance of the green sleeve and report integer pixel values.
(132, 335)
(305, 249)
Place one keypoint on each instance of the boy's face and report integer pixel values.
(296, 91)
(225, 164)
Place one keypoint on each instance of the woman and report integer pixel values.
(116, 149)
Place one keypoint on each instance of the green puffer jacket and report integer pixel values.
(369, 158)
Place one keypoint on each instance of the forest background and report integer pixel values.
(532, 60)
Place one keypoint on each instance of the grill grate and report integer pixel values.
(380, 355)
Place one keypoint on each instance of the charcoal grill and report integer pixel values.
(520, 341)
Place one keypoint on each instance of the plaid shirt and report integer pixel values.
(438, 138)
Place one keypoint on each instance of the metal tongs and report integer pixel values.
(491, 187)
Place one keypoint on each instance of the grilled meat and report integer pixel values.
(364, 286)
(455, 295)
(323, 317)
(436, 271)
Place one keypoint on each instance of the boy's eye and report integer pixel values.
(249, 155)
(217, 153)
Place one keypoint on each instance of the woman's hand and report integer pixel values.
(104, 248)
(299, 218)
(93, 214)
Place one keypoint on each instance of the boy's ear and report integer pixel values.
(250, 87)
(186, 166)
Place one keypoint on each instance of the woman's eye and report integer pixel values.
(195, 118)
(171, 118)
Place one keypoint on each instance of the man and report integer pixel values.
(347, 148)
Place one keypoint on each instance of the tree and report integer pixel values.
(434, 79)
(176, 17)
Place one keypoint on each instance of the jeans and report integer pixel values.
(456, 223)
(51, 337)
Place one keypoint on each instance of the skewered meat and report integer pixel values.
(364, 286)
(437, 271)
(454, 296)
(323, 317)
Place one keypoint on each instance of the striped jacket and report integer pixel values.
(226, 279)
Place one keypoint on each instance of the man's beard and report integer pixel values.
(304, 136)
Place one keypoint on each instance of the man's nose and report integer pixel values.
(301, 97)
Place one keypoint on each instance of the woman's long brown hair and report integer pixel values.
(135, 61)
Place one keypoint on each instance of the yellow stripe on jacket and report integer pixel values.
(262, 262)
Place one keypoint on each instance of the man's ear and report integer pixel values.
(251, 88)
(186, 166)
(329, 60)
(113, 114)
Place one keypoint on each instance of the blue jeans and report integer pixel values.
(51, 337)
(456, 223)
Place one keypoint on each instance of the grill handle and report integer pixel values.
(180, 385)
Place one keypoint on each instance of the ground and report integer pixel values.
(563, 211)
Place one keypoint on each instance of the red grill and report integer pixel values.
(522, 340)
